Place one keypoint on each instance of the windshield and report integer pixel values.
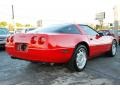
(49, 29)
(3, 31)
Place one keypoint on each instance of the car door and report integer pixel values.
(95, 41)
(106, 41)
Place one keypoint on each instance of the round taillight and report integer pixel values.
(41, 40)
(8, 39)
(33, 40)
(12, 39)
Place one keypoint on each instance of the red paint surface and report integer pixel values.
(57, 48)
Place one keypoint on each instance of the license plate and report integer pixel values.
(22, 47)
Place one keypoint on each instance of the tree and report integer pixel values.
(97, 27)
(11, 27)
(19, 25)
(3, 24)
(28, 25)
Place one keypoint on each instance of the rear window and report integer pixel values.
(3, 31)
(68, 29)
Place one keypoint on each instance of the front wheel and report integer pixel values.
(113, 50)
(79, 59)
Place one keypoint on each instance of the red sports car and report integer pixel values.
(65, 43)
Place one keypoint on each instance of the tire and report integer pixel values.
(79, 59)
(113, 49)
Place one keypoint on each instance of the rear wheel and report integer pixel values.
(79, 59)
(113, 50)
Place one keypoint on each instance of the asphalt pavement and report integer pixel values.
(99, 71)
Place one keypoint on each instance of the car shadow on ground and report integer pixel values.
(42, 73)
(2, 49)
(38, 67)
(46, 67)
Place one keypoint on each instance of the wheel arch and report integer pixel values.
(85, 44)
(115, 41)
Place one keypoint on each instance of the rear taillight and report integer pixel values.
(8, 39)
(33, 39)
(41, 40)
(12, 39)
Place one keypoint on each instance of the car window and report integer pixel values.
(88, 30)
(30, 29)
(68, 29)
(48, 29)
(3, 31)
(105, 32)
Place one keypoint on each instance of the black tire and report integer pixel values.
(72, 65)
(111, 53)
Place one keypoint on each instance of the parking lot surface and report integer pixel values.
(101, 70)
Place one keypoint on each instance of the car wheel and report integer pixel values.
(113, 50)
(79, 59)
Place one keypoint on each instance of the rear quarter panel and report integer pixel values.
(65, 42)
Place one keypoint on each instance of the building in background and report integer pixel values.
(116, 10)
(39, 23)
(100, 17)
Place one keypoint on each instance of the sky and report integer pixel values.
(57, 11)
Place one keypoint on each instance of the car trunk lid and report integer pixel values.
(31, 40)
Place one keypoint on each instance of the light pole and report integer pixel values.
(116, 21)
(12, 12)
(13, 18)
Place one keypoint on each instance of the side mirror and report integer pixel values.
(99, 35)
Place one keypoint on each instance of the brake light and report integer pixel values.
(8, 39)
(12, 39)
(33, 40)
(41, 40)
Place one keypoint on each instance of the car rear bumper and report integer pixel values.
(42, 55)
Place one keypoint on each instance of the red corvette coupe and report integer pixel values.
(65, 43)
